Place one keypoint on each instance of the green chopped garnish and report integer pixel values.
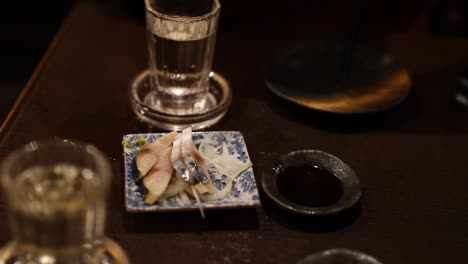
(125, 143)
(141, 141)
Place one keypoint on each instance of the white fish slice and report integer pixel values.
(189, 158)
(158, 177)
(178, 161)
(176, 185)
(148, 156)
(207, 187)
(196, 164)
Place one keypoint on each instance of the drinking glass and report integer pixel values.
(179, 89)
(56, 196)
(181, 38)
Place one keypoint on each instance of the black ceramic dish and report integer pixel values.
(350, 183)
(324, 75)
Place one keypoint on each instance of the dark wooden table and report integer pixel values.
(412, 161)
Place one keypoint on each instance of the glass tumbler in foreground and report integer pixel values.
(56, 195)
(179, 89)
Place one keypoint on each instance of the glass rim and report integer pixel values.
(103, 167)
(212, 13)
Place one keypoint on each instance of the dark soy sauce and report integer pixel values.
(309, 185)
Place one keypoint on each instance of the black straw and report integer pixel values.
(351, 41)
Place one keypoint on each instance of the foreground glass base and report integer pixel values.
(105, 252)
(339, 256)
(206, 112)
(462, 93)
(462, 99)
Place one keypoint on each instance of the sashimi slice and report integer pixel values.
(196, 163)
(178, 161)
(158, 177)
(207, 187)
(148, 156)
(188, 157)
(176, 185)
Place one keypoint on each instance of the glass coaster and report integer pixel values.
(208, 112)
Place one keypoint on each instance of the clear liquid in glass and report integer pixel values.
(57, 215)
(181, 56)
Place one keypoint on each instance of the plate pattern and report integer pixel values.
(244, 192)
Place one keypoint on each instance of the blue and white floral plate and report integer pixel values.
(244, 192)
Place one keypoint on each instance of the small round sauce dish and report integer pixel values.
(312, 182)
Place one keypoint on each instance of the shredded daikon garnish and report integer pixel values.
(224, 164)
(178, 199)
(162, 200)
(184, 198)
(227, 164)
(195, 194)
(220, 194)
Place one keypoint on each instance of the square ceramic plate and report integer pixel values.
(244, 192)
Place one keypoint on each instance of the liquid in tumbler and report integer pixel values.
(181, 52)
(54, 207)
(56, 197)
